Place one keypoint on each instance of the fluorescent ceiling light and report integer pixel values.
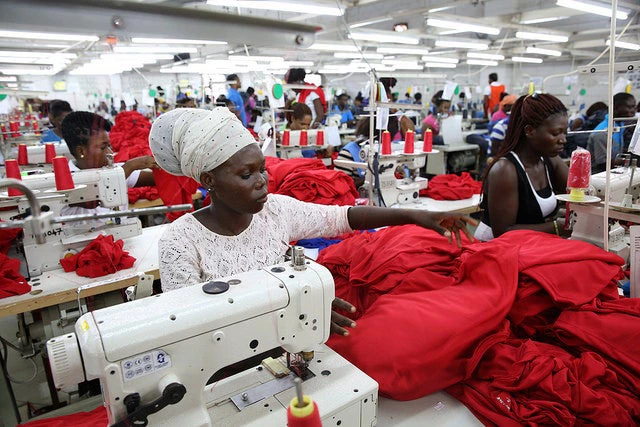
(625, 45)
(401, 50)
(439, 65)
(255, 58)
(462, 26)
(334, 47)
(541, 36)
(47, 36)
(440, 9)
(154, 49)
(8, 79)
(37, 54)
(29, 72)
(129, 56)
(491, 56)
(461, 44)
(384, 37)
(543, 20)
(51, 61)
(299, 63)
(341, 70)
(593, 7)
(366, 55)
(540, 51)
(395, 62)
(173, 41)
(482, 62)
(526, 59)
(446, 60)
(418, 75)
(370, 22)
(281, 6)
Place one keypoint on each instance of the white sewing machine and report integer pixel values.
(154, 356)
(619, 183)
(36, 153)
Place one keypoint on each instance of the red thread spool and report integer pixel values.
(61, 171)
(427, 147)
(12, 169)
(409, 145)
(49, 152)
(36, 129)
(23, 157)
(304, 138)
(14, 127)
(320, 137)
(386, 142)
(3, 129)
(286, 137)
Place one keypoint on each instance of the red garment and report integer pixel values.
(131, 129)
(302, 97)
(322, 186)
(452, 187)
(11, 281)
(279, 169)
(101, 257)
(7, 236)
(148, 193)
(96, 418)
(175, 190)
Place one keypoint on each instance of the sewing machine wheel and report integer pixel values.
(400, 173)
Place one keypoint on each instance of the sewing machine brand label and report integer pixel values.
(144, 364)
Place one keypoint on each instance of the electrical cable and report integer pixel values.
(5, 347)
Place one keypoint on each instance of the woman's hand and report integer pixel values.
(447, 224)
(338, 321)
(139, 163)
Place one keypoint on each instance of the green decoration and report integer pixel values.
(428, 89)
(277, 91)
(195, 91)
(569, 87)
(152, 93)
(2, 97)
(457, 90)
(583, 92)
(95, 95)
(107, 95)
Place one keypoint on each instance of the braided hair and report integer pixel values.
(79, 126)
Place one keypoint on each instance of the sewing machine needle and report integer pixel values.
(298, 384)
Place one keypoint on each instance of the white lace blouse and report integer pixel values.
(190, 253)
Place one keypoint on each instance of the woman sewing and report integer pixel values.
(244, 227)
(521, 183)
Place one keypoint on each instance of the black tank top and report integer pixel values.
(528, 208)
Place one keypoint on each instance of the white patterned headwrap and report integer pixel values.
(190, 141)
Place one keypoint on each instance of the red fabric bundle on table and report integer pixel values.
(174, 190)
(322, 186)
(131, 130)
(96, 418)
(279, 169)
(148, 193)
(11, 281)
(101, 257)
(452, 187)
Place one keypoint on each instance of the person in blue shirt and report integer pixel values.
(234, 84)
(624, 106)
(58, 110)
(342, 108)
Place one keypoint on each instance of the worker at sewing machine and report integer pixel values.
(432, 121)
(521, 184)
(58, 110)
(245, 228)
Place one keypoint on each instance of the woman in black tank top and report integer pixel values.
(528, 161)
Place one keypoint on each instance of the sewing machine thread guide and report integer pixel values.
(263, 391)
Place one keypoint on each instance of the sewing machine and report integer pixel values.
(155, 356)
(36, 153)
(619, 183)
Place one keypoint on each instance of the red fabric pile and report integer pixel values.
(11, 281)
(130, 136)
(516, 328)
(148, 193)
(174, 190)
(7, 236)
(310, 181)
(101, 257)
(452, 187)
(96, 418)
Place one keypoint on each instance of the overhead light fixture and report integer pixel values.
(299, 63)
(47, 36)
(395, 63)
(341, 70)
(625, 45)
(148, 40)
(439, 65)
(543, 20)
(401, 50)
(334, 47)
(365, 55)
(445, 60)
(526, 59)
(593, 7)
(490, 56)
(29, 71)
(155, 49)
(482, 62)
(462, 44)
(417, 75)
(440, 9)
(280, 6)
(401, 27)
(540, 51)
(541, 36)
(8, 79)
(256, 58)
(383, 37)
(136, 56)
(462, 26)
(37, 54)
(369, 22)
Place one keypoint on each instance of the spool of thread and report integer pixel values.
(3, 129)
(320, 137)
(286, 137)
(14, 127)
(427, 145)
(409, 142)
(36, 129)
(23, 157)
(49, 152)
(304, 138)
(305, 415)
(62, 174)
(386, 142)
(12, 169)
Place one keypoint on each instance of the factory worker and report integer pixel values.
(58, 110)
(245, 228)
(313, 96)
(521, 184)
(300, 116)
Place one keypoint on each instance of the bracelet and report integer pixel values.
(555, 226)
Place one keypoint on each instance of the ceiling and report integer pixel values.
(298, 36)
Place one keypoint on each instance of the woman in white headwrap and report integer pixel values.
(245, 228)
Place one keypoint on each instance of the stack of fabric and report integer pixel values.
(452, 187)
(11, 281)
(525, 329)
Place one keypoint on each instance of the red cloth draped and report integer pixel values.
(7, 236)
(11, 281)
(452, 187)
(130, 136)
(175, 190)
(325, 187)
(148, 193)
(96, 418)
(101, 257)
(279, 169)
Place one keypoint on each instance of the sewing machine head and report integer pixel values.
(154, 356)
(400, 180)
(619, 184)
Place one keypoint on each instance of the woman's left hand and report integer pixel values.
(338, 321)
(447, 224)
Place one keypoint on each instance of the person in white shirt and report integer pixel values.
(244, 227)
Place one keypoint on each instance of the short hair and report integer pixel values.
(295, 75)
(343, 95)
(417, 96)
(596, 106)
(250, 90)
(184, 101)
(493, 77)
(79, 126)
(58, 106)
(232, 78)
(300, 110)
(622, 97)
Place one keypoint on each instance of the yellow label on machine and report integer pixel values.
(84, 325)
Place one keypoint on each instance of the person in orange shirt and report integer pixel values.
(492, 95)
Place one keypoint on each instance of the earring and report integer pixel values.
(82, 156)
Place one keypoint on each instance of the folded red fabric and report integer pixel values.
(279, 169)
(11, 281)
(175, 190)
(101, 257)
(96, 418)
(322, 186)
(452, 187)
(148, 193)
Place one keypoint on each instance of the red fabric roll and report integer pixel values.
(101, 257)
(11, 281)
(452, 187)
(325, 187)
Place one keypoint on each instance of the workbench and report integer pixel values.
(465, 206)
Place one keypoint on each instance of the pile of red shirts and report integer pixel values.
(515, 328)
(452, 187)
(11, 281)
(101, 257)
(130, 136)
